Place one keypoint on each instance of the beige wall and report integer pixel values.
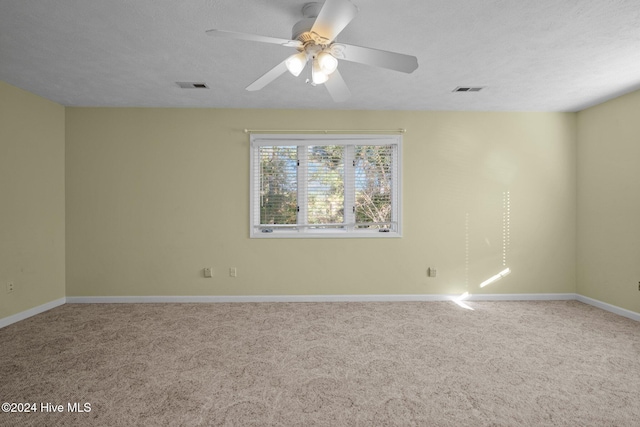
(155, 195)
(32, 218)
(608, 267)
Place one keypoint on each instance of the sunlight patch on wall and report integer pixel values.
(496, 277)
(459, 301)
(466, 251)
(506, 226)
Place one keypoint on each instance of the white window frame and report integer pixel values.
(303, 140)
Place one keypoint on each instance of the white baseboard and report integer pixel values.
(255, 298)
(314, 298)
(6, 321)
(317, 298)
(609, 307)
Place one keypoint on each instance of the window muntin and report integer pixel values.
(325, 185)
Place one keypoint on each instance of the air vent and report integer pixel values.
(192, 85)
(468, 89)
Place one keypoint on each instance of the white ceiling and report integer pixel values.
(539, 55)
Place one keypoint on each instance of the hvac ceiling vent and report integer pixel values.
(468, 89)
(192, 85)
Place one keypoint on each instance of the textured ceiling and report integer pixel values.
(543, 55)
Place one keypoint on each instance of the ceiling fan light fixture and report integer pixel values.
(314, 38)
(328, 62)
(296, 63)
(317, 75)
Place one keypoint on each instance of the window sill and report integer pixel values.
(326, 235)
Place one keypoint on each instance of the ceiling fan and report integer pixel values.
(315, 39)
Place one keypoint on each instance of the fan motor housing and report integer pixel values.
(302, 30)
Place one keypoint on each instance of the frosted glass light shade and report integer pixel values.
(317, 75)
(295, 63)
(328, 63)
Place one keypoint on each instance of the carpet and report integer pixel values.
(541, 363)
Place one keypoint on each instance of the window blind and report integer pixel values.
(277, 175)
(325, 185)
(374, 186)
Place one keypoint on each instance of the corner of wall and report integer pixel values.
(32, 225)
(607, 267)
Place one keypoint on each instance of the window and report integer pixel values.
(325, 185)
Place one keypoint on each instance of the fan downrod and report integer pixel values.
(302, 29)
(311, 10)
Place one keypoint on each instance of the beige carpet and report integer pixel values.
(558, 363)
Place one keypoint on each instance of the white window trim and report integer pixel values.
(299, 140)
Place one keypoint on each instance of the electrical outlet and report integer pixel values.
(10, 287)
(233, 272)
(639, 286)
(432, 272)
(208, 272)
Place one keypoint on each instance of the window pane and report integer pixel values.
(278, 185)
(373, 185)
(325, 184)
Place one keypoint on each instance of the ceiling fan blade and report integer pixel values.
(332, 18)
(378, 58)
(337, 87)
(254, 38)
(268, 77)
